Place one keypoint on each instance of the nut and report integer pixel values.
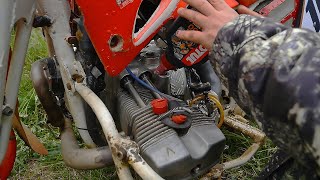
(7, 111)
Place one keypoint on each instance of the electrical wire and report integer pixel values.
(151, 88)
(216, 101)
(201, 97)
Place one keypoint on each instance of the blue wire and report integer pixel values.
(142, 82)
(150, 87)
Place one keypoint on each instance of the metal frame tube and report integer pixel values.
(78, 158)
(19, 13)
(5, 32)
(245, 157)
(141, 167)
(107, 124)
(59, 12)
(238, 123)
(114, 139)
(256, 134)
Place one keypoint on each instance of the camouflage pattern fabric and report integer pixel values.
(273, 72)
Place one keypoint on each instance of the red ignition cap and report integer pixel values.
(159, 106)
(179, 119)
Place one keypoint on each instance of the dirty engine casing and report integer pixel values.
(173, 154)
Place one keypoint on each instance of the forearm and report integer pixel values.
(235, 53)
(266, 67)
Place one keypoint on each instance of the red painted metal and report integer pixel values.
(286, 18)
(274, 4)
(295, 13)
(247, 2)
(271, 6)
(8, 162)
(10, 156)
(110, 25)
(232, 3)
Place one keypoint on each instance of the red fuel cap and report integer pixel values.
(159, 106)
(179, 119)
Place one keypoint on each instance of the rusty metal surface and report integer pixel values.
(256, 134)
(41, 85)
(108, 127)
(20, 14)
(59, 31)
(240, 124)
(78, 158)
(244, 158)
(26, 135)
(214, 173)
(123, 150)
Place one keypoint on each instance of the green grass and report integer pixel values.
(30, 165)
(237, 143)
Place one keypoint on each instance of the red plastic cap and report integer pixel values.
(232, 3)
(159, 106)
(179, 119)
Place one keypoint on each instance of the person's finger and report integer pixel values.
(244, 10)
(194, 36)
(218, 4)
(193, 16)
(203, 6)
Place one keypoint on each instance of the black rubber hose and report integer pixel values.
(207, 74)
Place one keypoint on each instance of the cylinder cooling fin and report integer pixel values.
(172, 153)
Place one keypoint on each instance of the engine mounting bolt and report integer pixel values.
(7, 111)
(72, 40)
(120, 155)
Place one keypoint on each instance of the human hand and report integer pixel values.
(212, 16)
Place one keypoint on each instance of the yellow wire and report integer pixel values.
(216, 101)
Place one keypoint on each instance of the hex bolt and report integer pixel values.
(72, 40)
(195, 170)
(120, 155)
(7, 111)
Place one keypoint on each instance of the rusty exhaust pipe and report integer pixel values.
(83, 159)
(72, 154)
(41, 83)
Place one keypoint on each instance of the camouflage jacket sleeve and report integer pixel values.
(273, 72)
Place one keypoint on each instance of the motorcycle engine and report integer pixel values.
(174, 151)
(182, 150)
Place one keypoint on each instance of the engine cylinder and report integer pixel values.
(172, 154)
